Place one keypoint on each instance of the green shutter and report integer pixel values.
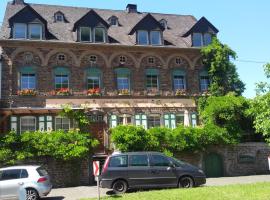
(152, 71)
(61, 71)
(27, 70)
(144, 121)
(173, 121)
(49, 123)
(14, 123)
(41, 123)
(122, 72)
(179, 72)
(204, 73)
(93, 72)
(167, 121)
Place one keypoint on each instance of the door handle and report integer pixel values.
(154, 171)
(21, 183)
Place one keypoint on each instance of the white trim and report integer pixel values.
(104, 34)
(30, 31)
(14, 27)
(29, 117)
(90, 34)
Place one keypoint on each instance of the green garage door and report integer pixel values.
(213, 165)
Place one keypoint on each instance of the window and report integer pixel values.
(204, 81)
(169, 121)
(28, 124)
(118, 161)
(143, 37)
(159, 161)
(93, 82)
(197, 40)
(35, 31)
(61, 82)
(178, 61)
(113, 121)
(62, 123)
(155, 37)
(153, 121)
(28, 81)
(151, 60)
(122, 59)
(20, 31)
(59, 17)
(152, 80)
(163, 23)
(99, 35)
(141, 120)
(193, 119)
(114, 21)
(207, 38)
(123, 78)
(138, 160)
(93, 59)
(11, 174)
(124, 120)
(61, 57)
(179, 80)
(180, 119)
(85, 34)
(13, 125)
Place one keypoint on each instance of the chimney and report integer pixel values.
(131, 8)
(21, 2)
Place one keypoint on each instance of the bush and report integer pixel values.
(57, 144)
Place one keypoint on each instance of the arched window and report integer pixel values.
(27, 78)
(61, 78)
(152, 79)
(93, 78)
(123, 79)
(204, 81)
(179, 79)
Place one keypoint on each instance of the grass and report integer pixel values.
(257, 191)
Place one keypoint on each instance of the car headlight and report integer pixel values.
(201, 171)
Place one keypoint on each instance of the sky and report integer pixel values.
(243, 25)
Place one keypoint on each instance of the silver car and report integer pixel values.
(34, 179)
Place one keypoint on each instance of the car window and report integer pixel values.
(24, 173)
(11, 174)
(178, 163)
(158, 160)
(42, 172)
(138, 160)
(118, 161)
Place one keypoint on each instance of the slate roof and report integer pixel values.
(178, 24)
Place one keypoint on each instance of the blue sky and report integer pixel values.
(243, 25)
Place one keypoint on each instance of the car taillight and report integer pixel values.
(41, 180)
(105, 167)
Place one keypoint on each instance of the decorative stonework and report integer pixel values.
(157, 63)
(178, 62)
(122, 60)
(55, 61)
(27, 59)
(88, 61)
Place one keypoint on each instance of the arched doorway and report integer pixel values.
(213, 165)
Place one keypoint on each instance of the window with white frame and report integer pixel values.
(180, 118)
(141, 120)
(28, 123)
(193, 119)
(62, 123)
(61, 82)
(143, 37)
(13, 123)
(179, 82)
(20, 31)
(85, 34)
(197, 40)
(28, 81)
(124, 119)
(59, 17)
(204, 81)
(169, 121)
(100, 34)
(155, 37)
(35, 31)
(93, 82)
(207, 39)
(153, 121)
(152, 80)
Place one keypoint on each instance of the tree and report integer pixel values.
(222, 72)
(260, 106)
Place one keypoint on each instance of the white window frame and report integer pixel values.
(152, 88)
(201, 40)
(29, 31)
(35, 78)
(155, 116)
(116, 21)
(184, 82)
(151, 36)
(25, 117)
(59, 15)
(14, 28)
(94, 77)
(138, 37)
(61, 80)
(60, 117)
(90, 34)
(204, 38)
(104, 34)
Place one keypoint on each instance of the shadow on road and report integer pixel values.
(53, 198)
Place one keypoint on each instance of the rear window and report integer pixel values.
(138, 160)
(42, 172)
(118, 161)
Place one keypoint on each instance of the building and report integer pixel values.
(121, 67)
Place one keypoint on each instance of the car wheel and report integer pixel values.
(31, 194)
(119, 187)
(186, 182)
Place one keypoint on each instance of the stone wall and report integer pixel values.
(240, 160)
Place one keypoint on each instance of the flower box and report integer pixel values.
(124, 92)
(94, 92)
(62, 92)
(27, 92)
(180, 92)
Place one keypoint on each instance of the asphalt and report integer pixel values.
(77, 193)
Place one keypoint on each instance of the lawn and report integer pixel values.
(257, 191)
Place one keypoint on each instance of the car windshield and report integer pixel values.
(42, 172)
(178, 163)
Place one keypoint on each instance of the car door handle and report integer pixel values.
(154, 171)
(21, 183)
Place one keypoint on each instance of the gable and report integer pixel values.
(147, 23)
(202, 26)
(90, 19)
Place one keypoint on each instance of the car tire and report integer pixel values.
(119, 187)
(31, 194)
(186, 182)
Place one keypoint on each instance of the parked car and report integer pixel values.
(148, 170)
(34, 179)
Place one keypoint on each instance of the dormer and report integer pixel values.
(164, 23)
(59, 17)
(148, 31)
(202, 33)
(28, 24)
(91, 28)
(113, 20)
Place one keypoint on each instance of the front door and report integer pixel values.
(213, 165)
(161, 171)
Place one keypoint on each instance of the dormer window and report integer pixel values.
(59, 17)
(143, 37)
(113, 21)
(99, 34)
(199, 39)
(27, 31)
(85, 34)
(20, 31)
(88, 34)
(35, 31)
(155, 37)
(163, 23)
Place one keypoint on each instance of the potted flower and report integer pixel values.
(124, 92)
(152, 91)
(62, 92)
(94, 92)
(27, 92)
(180, 92)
